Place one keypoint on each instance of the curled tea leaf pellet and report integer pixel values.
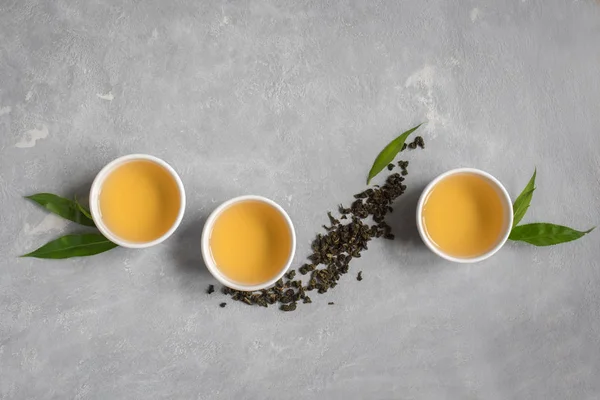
(290, 275)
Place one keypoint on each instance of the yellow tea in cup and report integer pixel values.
(250, 242)
(464, 215)
(139, 201)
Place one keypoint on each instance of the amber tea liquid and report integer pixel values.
(139, 201)
(464, 215)
(250, 242)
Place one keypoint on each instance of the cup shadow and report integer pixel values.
(404, 227)
(404, 218)
(187, 253)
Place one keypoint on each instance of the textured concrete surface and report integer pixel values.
(292, 100)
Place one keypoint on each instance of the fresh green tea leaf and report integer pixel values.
(69, 246)
(84, 210)
(388, 154)
(544, 234)
(65, 208)
(522, 202)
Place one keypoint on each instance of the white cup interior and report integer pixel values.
(508, 215)
(207, 254)
(97, 189)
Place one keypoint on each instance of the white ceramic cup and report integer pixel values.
(97, 189)
(504, 197)
(207, 255)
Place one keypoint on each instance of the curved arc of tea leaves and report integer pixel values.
(389, 152)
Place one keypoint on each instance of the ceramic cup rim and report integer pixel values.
(206, 252)
(506, 202)
(97, 188)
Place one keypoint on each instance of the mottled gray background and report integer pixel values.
(293, 100)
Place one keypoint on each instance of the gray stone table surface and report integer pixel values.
(293, 100)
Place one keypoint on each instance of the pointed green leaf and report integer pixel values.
(544, 234)
(65, 208)
(84, 210)
(522, 202)
(69, 246)
(388, 154)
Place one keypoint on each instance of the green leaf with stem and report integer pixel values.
(87, 244)
(545, 234)
(60, 206)
(84, 210)
(522, 202)
(389, 152)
